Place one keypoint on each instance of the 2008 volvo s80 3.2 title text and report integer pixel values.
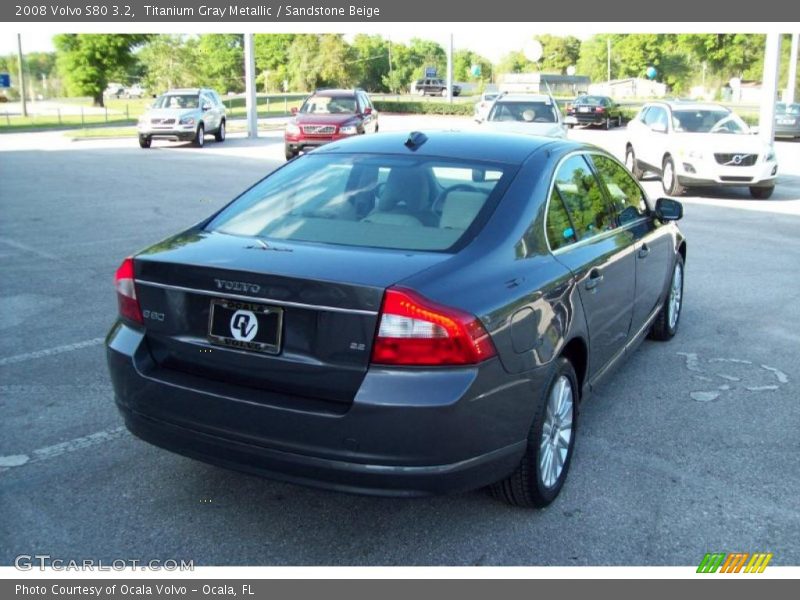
(399, 314)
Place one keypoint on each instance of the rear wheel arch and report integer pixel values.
(682, 251)
(577, 353)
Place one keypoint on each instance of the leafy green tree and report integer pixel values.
(515, 62)
(425, 53)
(462, 66)
(302, 67)
(272, 58)
(558, 52)
(221, 61)
(371, 56)
(88, 61)
(171, 61)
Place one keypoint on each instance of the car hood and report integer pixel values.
(541, 129)
(722, 143)
(170, 113)
(301, 119)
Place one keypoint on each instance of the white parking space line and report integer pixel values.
(56, 450)
(10, 360)
(30, 249)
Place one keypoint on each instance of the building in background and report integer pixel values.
(632, 87)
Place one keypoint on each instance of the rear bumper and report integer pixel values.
(406, 433)
(586, 119)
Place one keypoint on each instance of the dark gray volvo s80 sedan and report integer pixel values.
(399, 314)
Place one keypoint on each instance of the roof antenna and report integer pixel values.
(415, 140)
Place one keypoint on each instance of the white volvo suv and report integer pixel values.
(697, 145)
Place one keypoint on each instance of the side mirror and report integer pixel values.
(754, 130)
(367, 111)
(294, 110)
(659, 127)
(668, 209)
(206, 107)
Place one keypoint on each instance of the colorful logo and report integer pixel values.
(735, 562)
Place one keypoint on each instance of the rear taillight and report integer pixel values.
(599, 109)
(415, 331)
(569, 107)
(126, 292)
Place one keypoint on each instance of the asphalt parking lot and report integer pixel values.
(690, 447)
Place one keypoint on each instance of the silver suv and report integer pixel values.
(184, 114)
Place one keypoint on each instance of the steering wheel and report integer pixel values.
(438, 204)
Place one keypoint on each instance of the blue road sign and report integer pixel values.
(5, 80)
(430, 72)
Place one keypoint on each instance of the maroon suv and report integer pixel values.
(329, 115)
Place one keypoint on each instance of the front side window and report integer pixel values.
(656, 116)
(382, 201)
(626, 196)
(583, 198)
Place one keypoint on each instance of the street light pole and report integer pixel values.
(769, 87)
(250, 86)
(450, 70)
(21, 76)
(792, 83)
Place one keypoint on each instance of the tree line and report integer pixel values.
(84, 64)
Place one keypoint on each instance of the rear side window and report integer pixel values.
(583, 198)
(626, 196)
(559, 227)
(381, 201)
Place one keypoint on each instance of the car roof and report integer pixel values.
(336, 92)
(524, 98)
(509, 148)
(690, 105)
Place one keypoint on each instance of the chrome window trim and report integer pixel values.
(213, 294)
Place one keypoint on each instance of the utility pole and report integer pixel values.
(250, 86)
(21, 76)
(769, 87)
(450, 70)
(792, 83)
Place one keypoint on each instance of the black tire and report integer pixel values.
(619, 121)
(145, 141)
(632, 164)
(662, 328)
(200, 136)
(220, 133)
(376, 129)
(608, 123)
(525, 487)
(289, 153)
(761, 193)
(673, 186)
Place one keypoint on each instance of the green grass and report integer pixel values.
(102, 132)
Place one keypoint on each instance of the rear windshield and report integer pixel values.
(329, 105)
(380, 201)
(529, 112)
(591, 100)
(177, 101)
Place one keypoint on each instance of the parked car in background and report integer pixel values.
(483, 105)
(184, 115)
(114, 90)
(699, 145)
(399, 315)
(530, 114)
(787, 120)
(329, 115)
(433, 86)
(135, 91)
(594, 110)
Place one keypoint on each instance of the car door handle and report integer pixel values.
(595, 279)
(644, 251)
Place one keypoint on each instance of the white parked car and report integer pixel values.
(530, 114)
(697, 145)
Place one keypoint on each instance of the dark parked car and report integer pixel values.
(399, 314)
(787, 120)
(329, 115)
(433, 86)
(594, 110)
